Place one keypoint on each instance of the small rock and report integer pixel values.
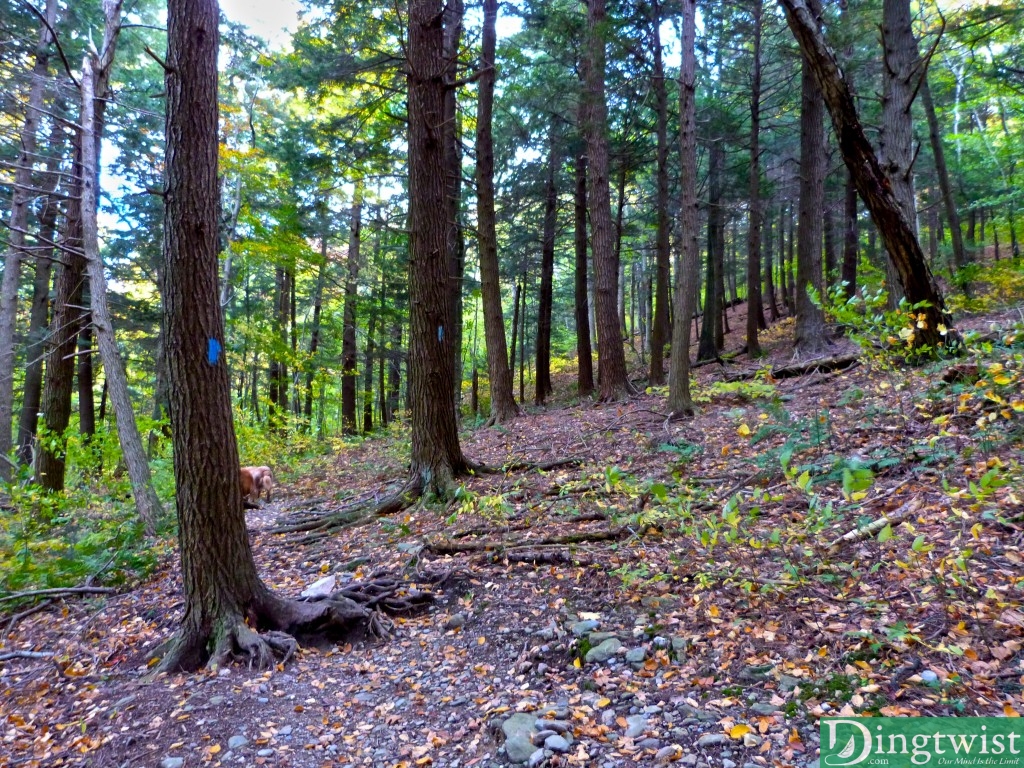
(604, 651)
(635, 725)
(519, 748)
(581, 628)
(535, 759)
(411, 547)
(321, 587)
(216, 701)
(455, 621)
(172, 762)
(237, 742)
(661, 642)
(764, 708)
(608, 717)
(712, 739)
(688, 759)
(928, 677)
(556, 743)
(649, 743)
(636, 655)
(286, 730)
(558, 726)
(814, 763)
(596, 638)
(788, 683)
(265, 753)
(546, 633)
(728, 764)
(751, 740)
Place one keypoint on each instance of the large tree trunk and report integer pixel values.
(17, 229)
(613, 378)
(503, 404)
(348, 334)
(436, 455)
(146, 502)
(872, 183)
(960, 256)
(900, 81)
(755, 315)
(810, 339)
(581, 304)
(547, 275)
(663, 258)
(679, 400)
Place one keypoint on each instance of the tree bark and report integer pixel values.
(369, 352)
(851, 238)
(711, 324)
(810, 339)
(663, 257)
(17, 227)
(872, 183)
(146, 502)
(348, 336)
(547, 275)
(84, 374)
(452, 132)
(503, 404)
(581, 304)
(436, 455)
(314, 331)
(680, 401)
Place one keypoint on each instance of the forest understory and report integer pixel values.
(697, 591)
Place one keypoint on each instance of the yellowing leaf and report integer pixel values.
(576, 662)
(713, 611)
(481, 640)
(601, 703)
(1009, 711)
(743, 430)
(213, 749)
(1002, 379)
(976, 530)
(739, 730)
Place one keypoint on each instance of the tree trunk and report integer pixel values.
(663, 257)
(810, 339)
(711, 325)
(436, 454)
(584, 354)
(503, 404)
(769, 270)
(960, 255)
(37, 329)
(371, 348)
(755, 315)
(679, 400)
(146, 502)
(395, 370)
(348, 336)
(314, 331)
(872, 183)
(613, 378)
(84, 375)
(451, 130)
(517, 295)
(17, 228)
(851, 238)
(620, 300)
(547, 273)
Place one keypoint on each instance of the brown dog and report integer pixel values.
(251, 480)
(266, 482)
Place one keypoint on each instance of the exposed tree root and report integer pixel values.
(445, 546)
(544, 466)
(816, 365)
(359, 514)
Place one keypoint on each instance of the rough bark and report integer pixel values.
(503, 404)
(368, 353)
(680, 401)
(452, 131)
(872, 183)
(83, 358)
(851, 238)
(960, 256)
(314, 331)
(348, 334)
(133, 452)
(659, 326)
(436, 455)
(547, 276)
(613, 379)
(711, 324)
(17, 227)
(584, 354)
(755, 317)
(810, 339)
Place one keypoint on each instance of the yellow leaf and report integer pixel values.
(1002, 379)
(1009, 711)
(576, 662)
(739, 730)
(743, 431)
(713, 611)
(481, 640)
(213, 749)
(976, 530)
(425, 761)
(601, 703)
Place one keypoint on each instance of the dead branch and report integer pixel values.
(898, 515)
(59, 592)
(446, 546)
(821, 364)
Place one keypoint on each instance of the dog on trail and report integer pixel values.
(266, 482)
(255, 482)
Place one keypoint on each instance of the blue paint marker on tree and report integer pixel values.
(213, 349)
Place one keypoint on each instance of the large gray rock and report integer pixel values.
(712, 739)
(604, 651)
(635, 726)
(518, 731)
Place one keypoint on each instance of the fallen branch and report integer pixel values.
(448, 547)
(59, 592)
(26, 655)
(898, 515)
(793, 370)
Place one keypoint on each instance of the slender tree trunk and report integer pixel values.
(17, 227)
(613, 378)
(584, 354)
(755, 315)
(547, 273)
(851, 238)
(620, 206)
(872, 183)
(371, 349)
(517, 296)
(503, 404)
(314, 331)
(711, 327)
(395, 370)
(134, 454)
(769, 270)
(679, 399)
(348, 338)
(436, 455)
(37, 329)
(663, 257)
(84, 376)
(960, 255)
(451, 131)
(810, 337)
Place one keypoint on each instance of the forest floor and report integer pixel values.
(678, 596)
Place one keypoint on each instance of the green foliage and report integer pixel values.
(747, 391)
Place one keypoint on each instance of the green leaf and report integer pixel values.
(885, 534)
